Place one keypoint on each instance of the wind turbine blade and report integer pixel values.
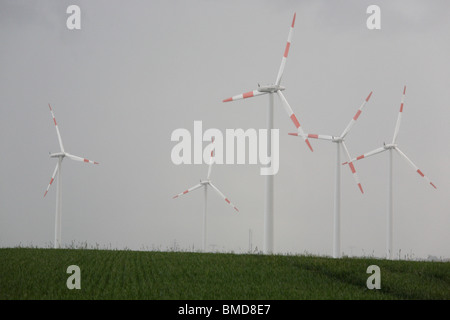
(210, 161)
(368, 154)
(399, 117)
(286, 52)
(352, 168)
(53, 178)
(224, 197)
(246, 95)
(209, 168)
(293, 118)
(188, 190)
(315, 136)
(57, 129)
(76, 158)
(415, 167)
(355, 117)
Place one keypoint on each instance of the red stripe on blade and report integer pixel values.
(357, 115)
(229, 99)
(360, 157)
(401, 107)
(360, 187)
(227, 200)
(236, 209)
(309, 145)
(293, 20)
(286, 51)
(45, 193)
(186, 192)
(404, 90)
(314, 136)
(433, 185)
(175, 197)
(352, 167)
(248, 94)
(86, 160)
(54, 120)
(293, 134)
(295, 121)
(420, 172)
(368, 97)
(51, 181)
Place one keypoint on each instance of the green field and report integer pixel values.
(112, 274)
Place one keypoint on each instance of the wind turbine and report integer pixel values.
(389, 147)
(204, 184)
(340, 141)
(271, 89)
(60, 155)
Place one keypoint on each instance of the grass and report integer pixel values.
(111, 274)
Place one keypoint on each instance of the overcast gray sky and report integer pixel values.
(138, 70)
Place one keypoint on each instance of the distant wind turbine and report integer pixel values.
(270, 89)
(389, 147)
(60, 155)
(204, 184)
(339, 140)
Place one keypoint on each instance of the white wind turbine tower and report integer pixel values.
(340, 141)
(60, 155)
(204, 184)
(389, 147)
(271, 89)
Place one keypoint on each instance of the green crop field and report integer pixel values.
(112, 274)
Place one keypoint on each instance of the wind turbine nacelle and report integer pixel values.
(389, 146)
(57, 155)
(270, 88)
